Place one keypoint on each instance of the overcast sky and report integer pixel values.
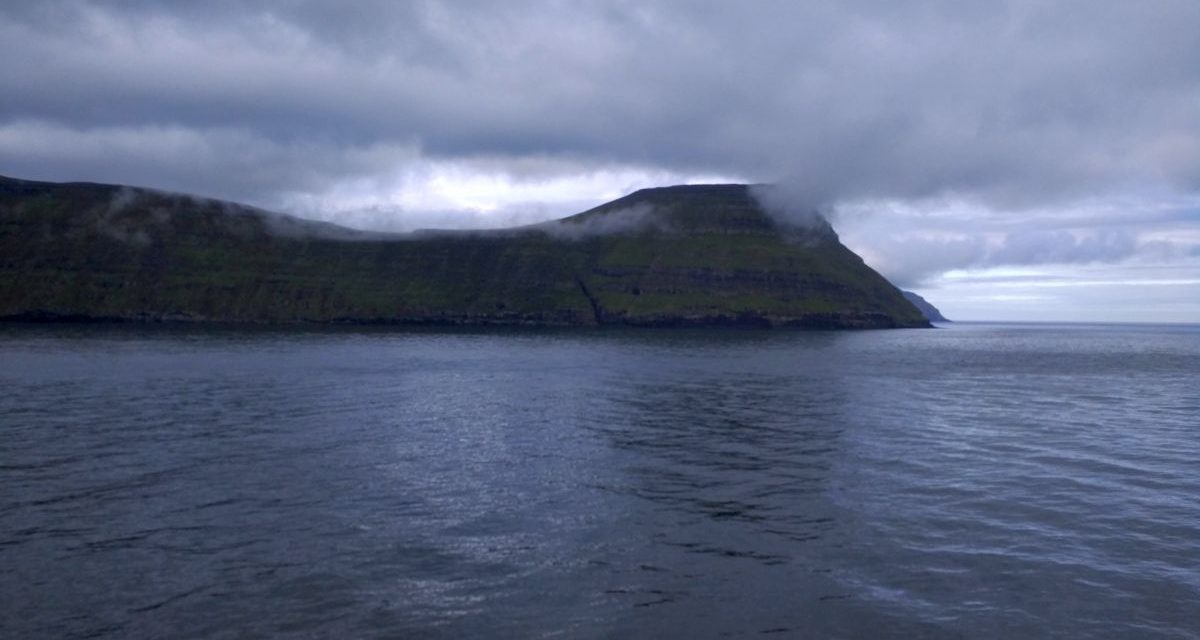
(1008, 160)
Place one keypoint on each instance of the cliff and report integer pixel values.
(930, 312)
(675, 256)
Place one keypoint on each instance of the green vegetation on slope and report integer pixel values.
(695, 255)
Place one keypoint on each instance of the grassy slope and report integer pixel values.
(703, 255)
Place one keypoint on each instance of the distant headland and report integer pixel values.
(930, 312)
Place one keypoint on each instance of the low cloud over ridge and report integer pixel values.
(340, 112)
(1009, 100)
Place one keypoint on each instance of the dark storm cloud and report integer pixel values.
(1014, 102)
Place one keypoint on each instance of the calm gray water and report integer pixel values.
(979, 481)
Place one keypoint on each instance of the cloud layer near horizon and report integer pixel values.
(383, 114)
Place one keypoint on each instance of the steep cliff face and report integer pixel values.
(694, 255)
(927, 309)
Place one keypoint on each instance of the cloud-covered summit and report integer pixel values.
(390, 108)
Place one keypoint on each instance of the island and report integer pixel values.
(693, 255)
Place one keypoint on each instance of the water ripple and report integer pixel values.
(981, 481)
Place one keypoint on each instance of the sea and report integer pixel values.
(968, 481)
